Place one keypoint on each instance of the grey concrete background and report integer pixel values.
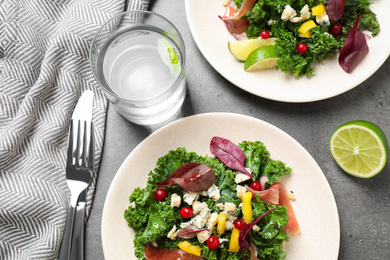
(363, 204)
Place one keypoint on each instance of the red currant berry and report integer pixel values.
(264, 34)
(239, 223)
(160, 194)
(302, 47)
(255, 185)
(336, 28)
(186, 212)
(213, 242)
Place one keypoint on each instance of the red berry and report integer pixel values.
(239, 223)
(336, 28)
(186, 212)
(213, 242)
(255, 185)
(302, 47)
(160, 194)
(264, 34)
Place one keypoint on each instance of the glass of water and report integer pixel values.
(138, 58)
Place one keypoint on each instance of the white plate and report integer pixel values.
(211, 36)
(314, 207)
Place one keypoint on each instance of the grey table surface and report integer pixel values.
(363, 204)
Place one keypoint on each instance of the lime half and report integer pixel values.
(169, 55)
(262, 58)
(241, 49)
(360, 148)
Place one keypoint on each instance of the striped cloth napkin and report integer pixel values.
(44, 68)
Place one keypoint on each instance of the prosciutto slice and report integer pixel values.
(155, 253)
(277, 195)
(355, 48)
(270, 196)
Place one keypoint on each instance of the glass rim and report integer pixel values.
(109, 90)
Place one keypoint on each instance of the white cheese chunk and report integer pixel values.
(305, 13)
(173, 233)
(212, 221)
(198, 206)
(241, 177)
(175, 200)
(288, 13)
(213, 192)
(323, 19)
(229, 225)
(256, 228)
(203, 236)
(240, 191)
(190, 197)
(230, 207)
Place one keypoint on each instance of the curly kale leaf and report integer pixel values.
(256, 155)
(161, 218)
(269, 240)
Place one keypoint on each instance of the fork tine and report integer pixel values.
(91, 152)
(78, 149)
(69, 160)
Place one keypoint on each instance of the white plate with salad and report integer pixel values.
(328, 80)
(314, 207)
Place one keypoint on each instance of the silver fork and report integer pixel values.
(79, 170)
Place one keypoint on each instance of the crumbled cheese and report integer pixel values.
(175, 200)
(205, 213)
(212, 221)
(240, 191)
(198, 206)
(203, 236)
(190, 197)
(256, 228)
(221, 241)
(198, 222)
(271, 22)
(229, 225)
(230, 207)
(213, 192)
(221, 206)
(288, 13)
(240, 177)
(323, 19)
(203, 193)
(154, 244)
(186, 224)
(305, 14)
(173, 233)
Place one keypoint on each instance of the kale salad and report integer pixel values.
(306, 31)
(230, 206)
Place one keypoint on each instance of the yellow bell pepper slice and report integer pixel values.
(221, 223)
(305, 35)
(306, 26)
(234, 246)
(318, 10)
(187, 247)
(247, 207)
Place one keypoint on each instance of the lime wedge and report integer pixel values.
(169, 55)
(360, 148)
(262, 58)
(241, 49)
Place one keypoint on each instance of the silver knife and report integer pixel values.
(82, 111)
